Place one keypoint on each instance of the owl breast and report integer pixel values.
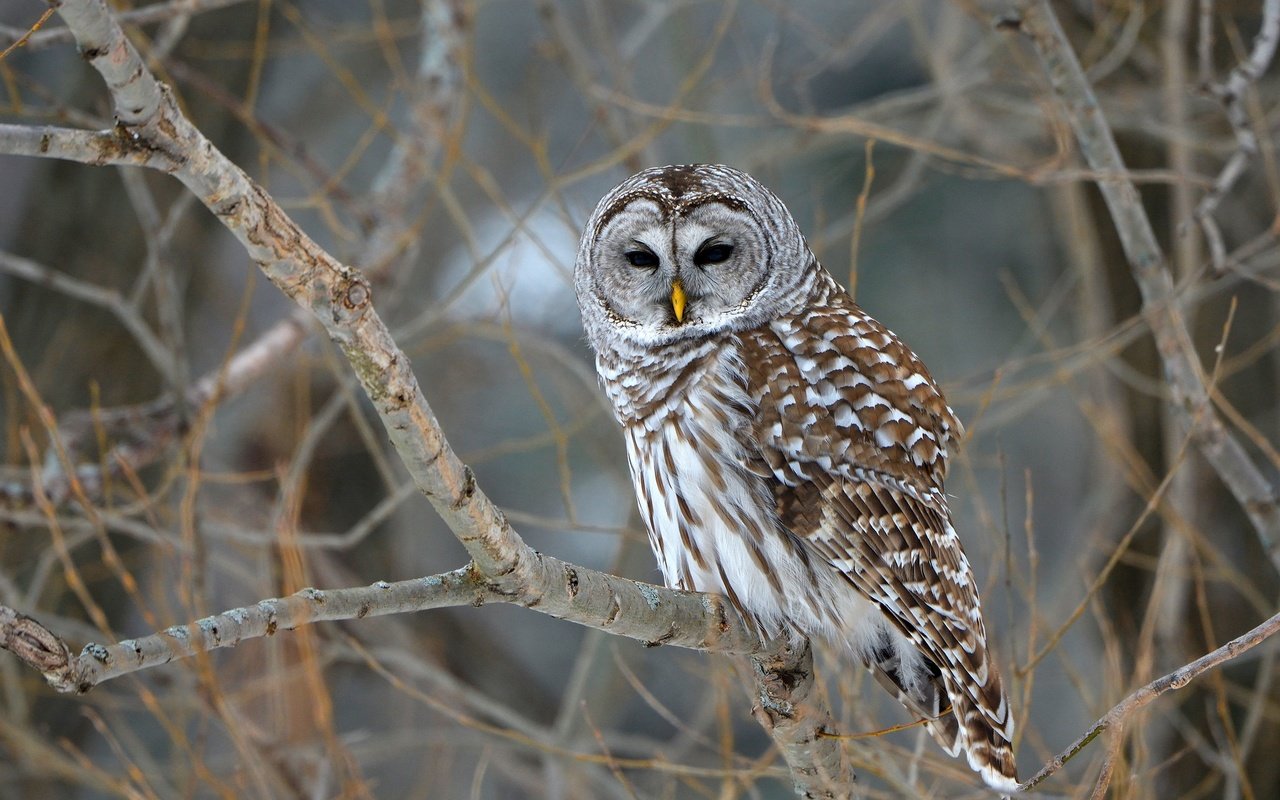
(712, 519)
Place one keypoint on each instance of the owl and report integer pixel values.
(787, 450)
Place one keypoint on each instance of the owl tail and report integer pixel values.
(918, 684)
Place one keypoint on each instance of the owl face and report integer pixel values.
(682, 252)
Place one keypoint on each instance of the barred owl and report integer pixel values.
(788, 451)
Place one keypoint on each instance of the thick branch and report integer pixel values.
(784, 679)
(98, 148)
(1189, 397)
(651, 614)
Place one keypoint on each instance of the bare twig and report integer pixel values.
(142, 432)
(651, 614)
(23, 38)
(160, 273)
(1204, 41)
(1231, 94)
(433, 103)
(1174, 681)
(107, 299)
(156, 12)
(1190, 400)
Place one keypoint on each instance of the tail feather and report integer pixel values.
(987, 747)
(952, 718)
(924, 698)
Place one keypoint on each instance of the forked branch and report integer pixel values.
(152, 131)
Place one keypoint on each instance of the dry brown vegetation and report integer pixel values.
(1068, 209)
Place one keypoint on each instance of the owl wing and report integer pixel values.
(902, 553)
(853, 435)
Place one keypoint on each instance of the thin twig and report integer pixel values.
(25, 37)
(156, 12)
(1174, 681)
(1231, 94)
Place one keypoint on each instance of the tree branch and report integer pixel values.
(784, 678)
(651, 614)
(1231, 94)
(156, 12)
(152, 131)
(98, 148)
(1192, 405)
(141, 432)
(1175, 680)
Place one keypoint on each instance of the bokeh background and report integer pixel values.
(453, 150)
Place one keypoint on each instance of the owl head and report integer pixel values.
(688, 251)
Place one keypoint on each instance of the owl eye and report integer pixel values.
(641, 258)
(713, 254)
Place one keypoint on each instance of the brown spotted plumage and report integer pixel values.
(788, 451)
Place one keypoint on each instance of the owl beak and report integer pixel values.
(677, 299)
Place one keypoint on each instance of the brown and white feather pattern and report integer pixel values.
(856, 435)
(789, 452)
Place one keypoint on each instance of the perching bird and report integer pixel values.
(787, 450)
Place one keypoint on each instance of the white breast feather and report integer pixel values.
(713, 443)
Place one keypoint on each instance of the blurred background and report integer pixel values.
(453, 150)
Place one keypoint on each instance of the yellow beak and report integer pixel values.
(677, 299)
